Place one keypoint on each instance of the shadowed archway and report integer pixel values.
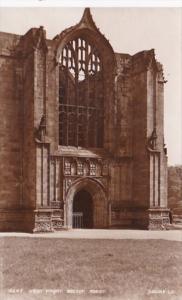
(90, 190)
(82, 210)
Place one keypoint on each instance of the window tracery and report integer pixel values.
(81, 95)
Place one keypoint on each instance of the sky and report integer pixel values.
(129, 30)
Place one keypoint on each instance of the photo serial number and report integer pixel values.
(56, 291)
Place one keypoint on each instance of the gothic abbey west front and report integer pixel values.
(82, 135)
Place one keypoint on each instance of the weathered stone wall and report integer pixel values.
(160, 81)
(39, 85)
(134, 175)
(130, 175)
(140, 116)
(10, 131)
(29, 161)
(140, 156)
(42, 176)
(123, 85)
(10, 128)
(52, 98)
(126, 179)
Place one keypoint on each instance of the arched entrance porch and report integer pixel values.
(87, 196)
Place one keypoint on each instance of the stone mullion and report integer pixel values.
(159, 180)
(67, 96)
(101, 108)
(62, 182)
(42, 172)
(95, 127)
(153, 179)
(94, 112)
(58, 180)
(154, 100)
(87, 94)
(48, 176)
(76, 88)
(55, 179)
(155, 173)
(51, 179)
(105, 121)
(156, 179)
(45, 85)
(19, 96)
(97, 120)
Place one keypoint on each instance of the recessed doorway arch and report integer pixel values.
(98, 203)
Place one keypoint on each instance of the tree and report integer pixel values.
(175, 187)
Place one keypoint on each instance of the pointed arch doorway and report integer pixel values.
(82, 210)
(96, 199)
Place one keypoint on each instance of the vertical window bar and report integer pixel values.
(83, 90)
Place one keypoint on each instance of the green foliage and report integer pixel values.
(174, 185)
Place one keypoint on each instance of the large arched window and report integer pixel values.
(81, 97)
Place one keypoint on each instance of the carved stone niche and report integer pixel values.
(76, 166)
(92, 167)
(67, 166)
(73, 167)
(99, 167)
(86, 167)
(80, 167)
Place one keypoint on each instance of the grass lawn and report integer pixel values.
(117, 269)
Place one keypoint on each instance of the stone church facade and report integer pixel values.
(82, 134)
